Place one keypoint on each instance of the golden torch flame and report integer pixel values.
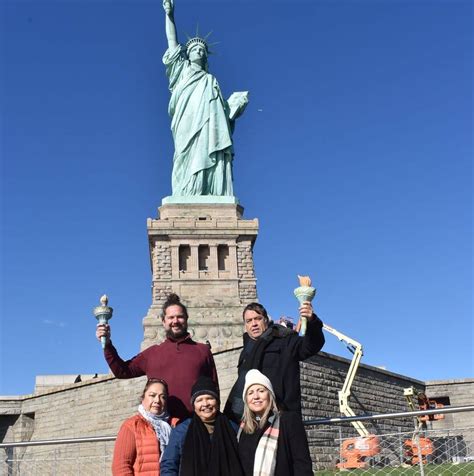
(304, 280)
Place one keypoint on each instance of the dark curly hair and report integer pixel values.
(173, 300)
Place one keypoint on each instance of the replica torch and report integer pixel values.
(304, 293)
(103, 313)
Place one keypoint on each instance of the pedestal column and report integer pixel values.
(214, 297)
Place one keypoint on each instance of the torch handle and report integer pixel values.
(304, 322)
(103, 320)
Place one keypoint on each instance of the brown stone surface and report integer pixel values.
(203, 253)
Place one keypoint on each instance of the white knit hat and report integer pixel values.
(253, 377)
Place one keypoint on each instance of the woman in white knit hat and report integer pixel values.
(271, 443)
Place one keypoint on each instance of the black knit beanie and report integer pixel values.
(204, 386)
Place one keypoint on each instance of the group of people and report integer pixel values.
(179, 428)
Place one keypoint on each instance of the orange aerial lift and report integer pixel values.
(354, 451)
(420, 447)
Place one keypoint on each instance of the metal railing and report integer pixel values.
(448, 451)
(421, 451)
(388, 416)
(63, 457)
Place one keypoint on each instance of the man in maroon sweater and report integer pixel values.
(178, 359)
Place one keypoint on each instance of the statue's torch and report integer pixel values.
(304, 293)
(103, 313)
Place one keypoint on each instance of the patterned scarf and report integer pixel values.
(160, 425)
(265, 455)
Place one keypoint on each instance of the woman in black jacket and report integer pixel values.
(205, 444)
(270, 442)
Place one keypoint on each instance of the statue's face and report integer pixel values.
(197, 54)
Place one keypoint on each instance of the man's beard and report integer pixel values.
(177, 334)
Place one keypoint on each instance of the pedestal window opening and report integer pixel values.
(184, 257)
(203, 255)
(222, 257)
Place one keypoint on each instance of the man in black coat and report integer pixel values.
(276, 351)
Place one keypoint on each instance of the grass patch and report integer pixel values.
(446, 469)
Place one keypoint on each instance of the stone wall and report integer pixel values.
(459, 392)
(10, 411)
(455, 393)
(91, 408)
(373, 391)
(226, 363)
(97, 407)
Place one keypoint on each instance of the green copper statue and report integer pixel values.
(202, 121)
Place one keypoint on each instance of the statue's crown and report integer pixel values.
(197, 41)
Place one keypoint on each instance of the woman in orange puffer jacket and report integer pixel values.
(143, 438)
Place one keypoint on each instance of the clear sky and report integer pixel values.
(354, 153)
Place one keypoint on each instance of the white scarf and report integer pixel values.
(160, 425)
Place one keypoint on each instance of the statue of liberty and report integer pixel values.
(202, 121)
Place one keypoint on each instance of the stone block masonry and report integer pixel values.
(457, 392)
(203, 253)
(98, 407)
(373, 391)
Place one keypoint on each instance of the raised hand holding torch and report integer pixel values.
(103, 313)
(305, 294)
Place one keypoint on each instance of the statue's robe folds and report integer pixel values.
(202, 162)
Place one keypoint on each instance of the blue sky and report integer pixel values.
(354, 153)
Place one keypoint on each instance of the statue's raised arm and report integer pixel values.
(202, 121)
(170, 26)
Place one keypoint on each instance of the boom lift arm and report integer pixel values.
(354, 348)
(355, 452)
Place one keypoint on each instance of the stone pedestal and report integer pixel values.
(203, 253)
